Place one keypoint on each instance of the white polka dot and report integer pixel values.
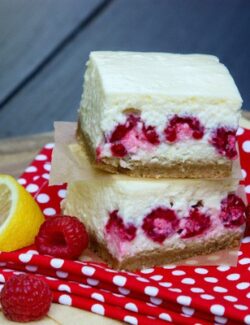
(217, 310)
(49, 146)
(169, 267)
(241, 307)
(246, 240)
(131, 306)
(142, 279)
(47, 167)
(244, 261)
(147, 271)
(247, 189)
(98, 309)
(25, 257)
(65, 300)
(22, 181)
(41, 157)
(31, 169)
(2, 264)
(31, 268)
(244, 174)
(240, 131)
(62, 193)
(223, 268)
(119, 280)
(220, 320)
(49, 211)
(45, 176)
(151, 291)
(156, 277)
(56, 263)
(175, 289)
(88, 270)
(2, 278)
(165, 284)
(247, 319)
(184, 300)
(220, 289)
(178, 272)
(92, 282)
(201, 270)
(166, 317)
(230, 298)
(243, 285)
(42, 198)
(187, 311)
(211, 279)
(188, 281)
(248, 295)
(32, 188)
(197, 290)
(207, 297)
(131, 320)
(64, 287)
(97, 296)
(233, 277)
(156, 301)
(246, 146)
(62, 275)
(124, 291)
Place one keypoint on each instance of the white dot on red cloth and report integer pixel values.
(246, 240)
(22, 181)
(200, 270)
(178, 272)
(244, 174)
(49, 212)
(56, 263)
(49, 145)
(220, 289)
(248, 295)
(31, 169)
(166, 317)
(98, 309)
(207, 297)
(217, 310)
(151, 291)
(62, 193)
(223, 268)
(31, 268)
(187, 311)
(184, 300)
(233, 277)
(45, 176)
(244, 261)
(240, 131)
(220, 320)
(247, 319)
(32, 188)
(97, 296)
(243, 285)
(247, 189)
(188, 281)
(165, 284)
(175, 290)
(241, 307)
(64, 287)
(156, 301)
(157, 277)
(131, 306)
(92, 282)
(25, 257)
(147, 271)
(2, 278)
(65, 300)
(119, 280)
(139, 278)
(62, 275)
(42, 198)
(47, 167)
(169, 267)
(88, 270)
(131, 320)
(211, 279)
(197, 290)
(41, 157)
(230, 298)
(246, 146)
(124, 291)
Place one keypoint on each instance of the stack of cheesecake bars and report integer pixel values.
(164, 127)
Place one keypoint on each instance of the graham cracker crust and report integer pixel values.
(160, 257)
(209, 169)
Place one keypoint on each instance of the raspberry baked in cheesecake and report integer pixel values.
(159, 114)
(135, 223)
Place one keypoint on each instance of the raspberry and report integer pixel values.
(224, 140)
(195, 224)
(233, 211)
(62, 236)
(160, 224)
(118, 150)
(171, 131)
(116, 227)
(25, 298)
(150, 134)
(122, 129)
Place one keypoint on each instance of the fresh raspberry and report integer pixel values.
(160, 224)
(25, 298)
(122, 129)
(195, 224)
(151, 134)
(118, 150)
(171, 131)
(62, 236)
(233, 211)
(224, 140)
(116, 227)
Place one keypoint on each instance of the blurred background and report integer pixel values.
(44, 45)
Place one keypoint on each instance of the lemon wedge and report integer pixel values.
(20, 215)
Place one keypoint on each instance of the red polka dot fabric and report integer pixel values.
(177, 294)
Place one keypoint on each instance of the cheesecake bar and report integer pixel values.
(159, 114)
(135, 223)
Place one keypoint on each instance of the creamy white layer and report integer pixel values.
(134, 198)
(159, 85)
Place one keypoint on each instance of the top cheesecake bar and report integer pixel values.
(159, 114)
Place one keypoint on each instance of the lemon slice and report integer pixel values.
(20, 215)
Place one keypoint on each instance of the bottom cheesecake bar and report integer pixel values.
(136, 223)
